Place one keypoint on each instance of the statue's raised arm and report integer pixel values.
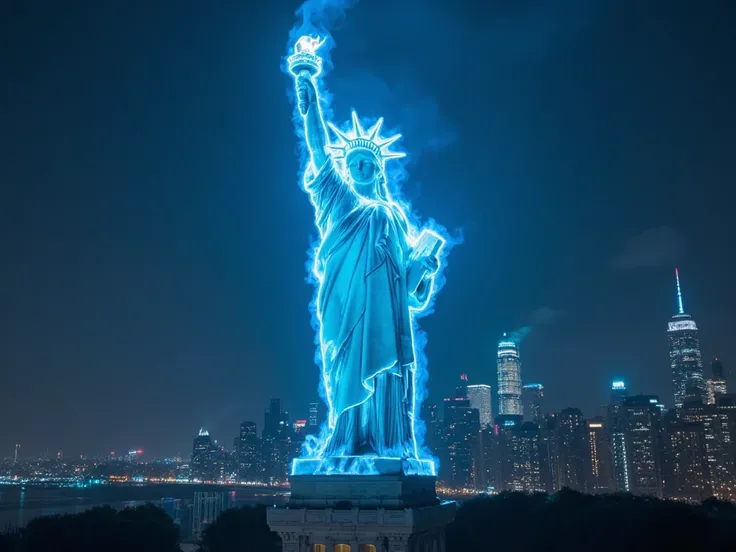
(305, 65)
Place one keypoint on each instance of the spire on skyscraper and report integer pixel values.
(680, 310)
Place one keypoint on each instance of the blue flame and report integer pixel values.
(312, 460)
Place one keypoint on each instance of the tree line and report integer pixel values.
(567, 520)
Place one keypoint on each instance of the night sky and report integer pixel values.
(154, 235)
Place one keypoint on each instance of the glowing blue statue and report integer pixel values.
(374, 272)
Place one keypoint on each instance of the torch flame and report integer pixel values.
(308, 44)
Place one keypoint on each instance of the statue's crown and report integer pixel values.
(357, 139)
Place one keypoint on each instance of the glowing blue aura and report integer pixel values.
(375, 273)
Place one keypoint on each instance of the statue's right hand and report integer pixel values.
(305, 91)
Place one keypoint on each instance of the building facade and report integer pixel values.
(480, 399)
(509, 378)
(685, 358)
(532, 395)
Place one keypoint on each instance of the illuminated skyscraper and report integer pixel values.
(715, 386)
(461, 390)
(480, 399)
(599, 461)
(642, 426)
(277, 442)
(685, 359)
(531, 398)
(686, 477)
(509, 378)
(462, 428)
(718, 424)
(618, 436)
(250, 459)
(571, 449)
(206, 458)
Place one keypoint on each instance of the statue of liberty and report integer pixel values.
(374, 271)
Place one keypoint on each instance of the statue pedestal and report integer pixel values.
(362, 513)
(363, 465)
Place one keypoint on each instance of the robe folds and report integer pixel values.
(366, 326)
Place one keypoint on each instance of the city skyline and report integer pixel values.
(312, 411)
(152, 209)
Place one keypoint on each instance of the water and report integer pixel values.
(19, 505)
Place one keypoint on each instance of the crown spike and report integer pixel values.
(388, 141)
(339, 133)
(393, 155)
(373, 133)
(357, 129)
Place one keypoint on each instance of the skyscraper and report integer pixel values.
(686, 477)
(250, 462)
(642, 427)
(531, 399)
(206, 458)
(480, 399)
(599, 460)
(462, 428)
(718, 424)
(571, 449)
(715, 385)
(461, 390)
(509, 378)
(277, 442)
(685, 359)
(618, 436)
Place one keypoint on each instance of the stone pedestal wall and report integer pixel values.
(364, 513)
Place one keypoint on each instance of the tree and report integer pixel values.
(142, 529)
(240, 530)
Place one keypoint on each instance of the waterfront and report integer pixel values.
(19, 505)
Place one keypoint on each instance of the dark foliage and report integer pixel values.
(141, 529)
(575, 522)
(242, 530)
(567, 521)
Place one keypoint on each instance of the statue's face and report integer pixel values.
(363, 168)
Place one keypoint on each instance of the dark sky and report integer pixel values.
(154, 235)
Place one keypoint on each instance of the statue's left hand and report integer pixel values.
(420, 269)
(431, 265)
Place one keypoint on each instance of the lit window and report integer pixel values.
(367, 548)
(342, 548)
(319, 548)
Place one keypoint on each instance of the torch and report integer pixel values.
(305, 62)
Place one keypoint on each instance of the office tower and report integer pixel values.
(250, 461)
(641, 417)
(599, 462)
(715, 385)
(277, 442)
(509, 378)
(462, 425)
(461, 391)
(206, 508)
(618, 436)
(208, 461)
(519, 450)
(571, 449)
(549, 472)
(480, 399)
(686, 475)
(685, 359)
(200, 450)
(719, 425)
(531, 399)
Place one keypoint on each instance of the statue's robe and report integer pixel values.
(366, 326)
